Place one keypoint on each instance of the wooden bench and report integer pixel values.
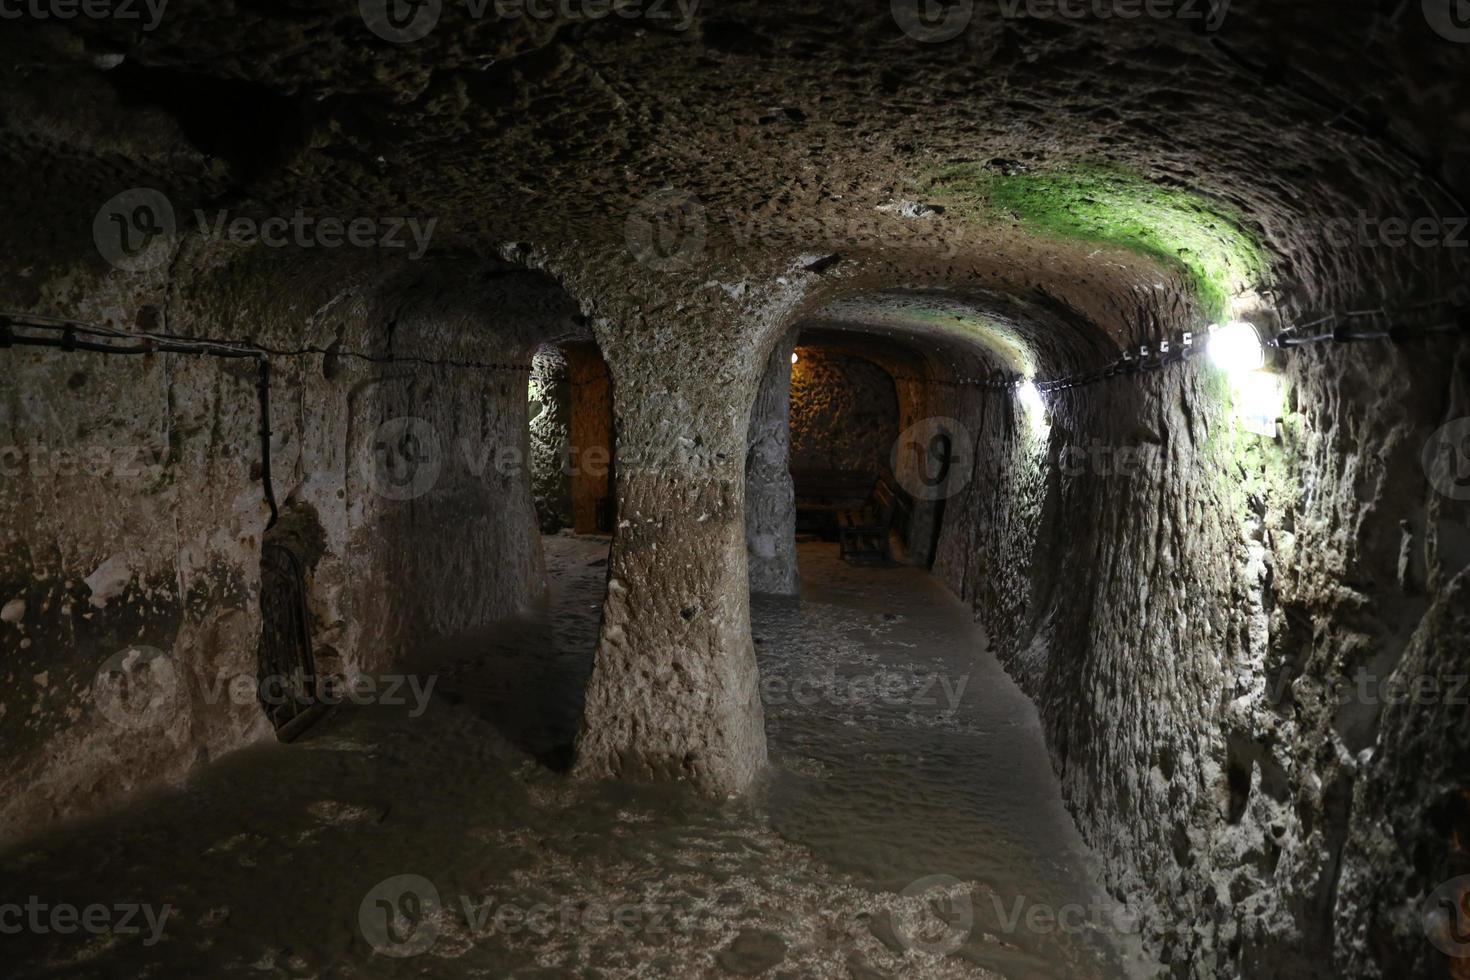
(865, 531)
(857, 509)
(821, 495)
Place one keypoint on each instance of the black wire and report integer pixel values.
(164, 343)
(266, 481)
(19, 340)
(176, 344)
(1128, 363)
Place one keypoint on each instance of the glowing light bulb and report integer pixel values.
(1034, 406)
(1031, 398)
(1258, 401)
(1236, 348)
(795, 357)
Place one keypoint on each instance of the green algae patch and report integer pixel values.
(1179, 229)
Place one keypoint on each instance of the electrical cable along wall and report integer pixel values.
(1166, 352)
(217, 447)
(1193, 622)
(61, 334)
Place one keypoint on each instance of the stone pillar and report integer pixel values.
(551, 433)
(591, 435)
(674, 692)
(770, 497)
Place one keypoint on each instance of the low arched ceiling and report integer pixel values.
(1216, 144)
(963, 332)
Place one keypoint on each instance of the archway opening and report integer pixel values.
(573, 474)
(844, 421)
(527, 674)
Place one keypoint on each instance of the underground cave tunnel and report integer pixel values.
(716, 489)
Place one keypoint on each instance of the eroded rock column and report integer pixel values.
(770, 496)
(674, 693)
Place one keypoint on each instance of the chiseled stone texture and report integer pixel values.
(551, 424)
(770, 496)
(844, 413)
(1181, 620)
(674, 694)
(674, 691)
(160, 546)
(1178, 627)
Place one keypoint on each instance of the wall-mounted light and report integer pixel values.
(1031, 399)
(1258, 399)
(1034, 406)
(1236, 348)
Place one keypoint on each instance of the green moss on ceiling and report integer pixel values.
(1176, 228)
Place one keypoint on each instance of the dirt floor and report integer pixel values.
(910, 824)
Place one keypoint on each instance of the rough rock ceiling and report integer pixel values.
(970, 330)
(793, 124)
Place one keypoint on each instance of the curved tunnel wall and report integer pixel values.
(1213, 623)
(411, 477)
(844, 413)
(1192, 607)
(1181, 628)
